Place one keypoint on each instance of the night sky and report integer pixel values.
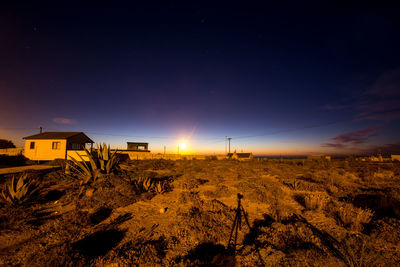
(280, 81)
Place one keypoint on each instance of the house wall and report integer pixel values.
(43, 149)
(135, 146)
(75, 154)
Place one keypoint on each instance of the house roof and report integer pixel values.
(58, 135)
(137, 143)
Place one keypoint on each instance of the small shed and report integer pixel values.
(55, 145)
(138, 146)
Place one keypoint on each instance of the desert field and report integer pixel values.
(166, 213)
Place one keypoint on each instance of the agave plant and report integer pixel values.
(147, 183)
(160, 187)
(108, 160)
(104, 162)
(19, 191)
(87, 172)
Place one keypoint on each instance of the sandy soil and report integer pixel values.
(296, 212)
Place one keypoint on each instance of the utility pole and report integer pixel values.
(226, 138)
(164, 149)
(229, 140)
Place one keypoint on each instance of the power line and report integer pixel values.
(110, 134)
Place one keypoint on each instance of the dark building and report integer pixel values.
(140, 147)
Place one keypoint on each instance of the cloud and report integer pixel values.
(333, 145)
(336, 106)
(353, 138)
(356, 137)
(64, 121)
(383, 115)
(379, 102)
(387, 85)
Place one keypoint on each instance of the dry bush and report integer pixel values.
(279, 210)
(360, 251)
(352, 217)
(315, 201)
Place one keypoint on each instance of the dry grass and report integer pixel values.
(315, 222)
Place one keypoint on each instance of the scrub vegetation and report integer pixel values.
(168, 213)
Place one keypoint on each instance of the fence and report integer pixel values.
(12, 151)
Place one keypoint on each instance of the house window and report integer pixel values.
(141, 147)
(56, 145)
(76, 146)
(32, 145)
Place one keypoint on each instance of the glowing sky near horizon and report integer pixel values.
(279, 81)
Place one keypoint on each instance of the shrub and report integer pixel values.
(353, 218)
(6, 144)
(360, 251)
(20, 191)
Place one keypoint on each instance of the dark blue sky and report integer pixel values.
(294, 80)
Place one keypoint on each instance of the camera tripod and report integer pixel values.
(237, 224)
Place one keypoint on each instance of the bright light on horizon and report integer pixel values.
(183, 145)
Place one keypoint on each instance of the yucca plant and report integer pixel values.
(20, 191)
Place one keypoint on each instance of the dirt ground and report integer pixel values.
(294, 212)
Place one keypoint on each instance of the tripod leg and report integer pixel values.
(245, 217)
(233, 229)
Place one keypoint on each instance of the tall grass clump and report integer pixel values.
(352, 217)
(315, 201)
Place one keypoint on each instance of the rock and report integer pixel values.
(89, 192)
